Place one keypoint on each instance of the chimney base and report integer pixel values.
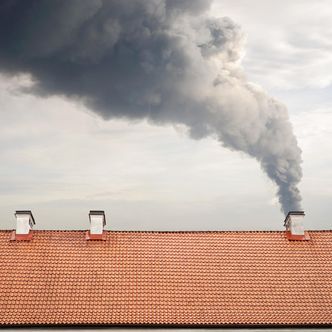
(89, 236)
(20, 237)
(293, 237)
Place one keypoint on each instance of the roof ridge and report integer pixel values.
(176, 231)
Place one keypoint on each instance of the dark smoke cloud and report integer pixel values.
(167, 61)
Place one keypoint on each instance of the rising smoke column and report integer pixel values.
(167, 61)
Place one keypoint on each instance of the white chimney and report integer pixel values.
(294, 223)
(24, 222)
(97, 222)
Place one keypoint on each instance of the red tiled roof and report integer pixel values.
(166, 278)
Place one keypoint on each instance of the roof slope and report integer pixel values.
(166, 278)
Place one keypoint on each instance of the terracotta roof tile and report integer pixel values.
(166, 278)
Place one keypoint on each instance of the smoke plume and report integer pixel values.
(167, 61)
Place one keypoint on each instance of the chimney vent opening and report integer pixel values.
(97, 223)
(295, 226)
(24, 224)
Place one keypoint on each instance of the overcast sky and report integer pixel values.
(60, 159)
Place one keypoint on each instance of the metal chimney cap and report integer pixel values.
(26, 212)
(97, 212)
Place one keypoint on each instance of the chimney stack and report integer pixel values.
(24, 225)
(97, 222)
(295, 226)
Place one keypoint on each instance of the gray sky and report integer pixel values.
(60, 159)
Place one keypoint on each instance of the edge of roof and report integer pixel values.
(169, 326)
(162, 232)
